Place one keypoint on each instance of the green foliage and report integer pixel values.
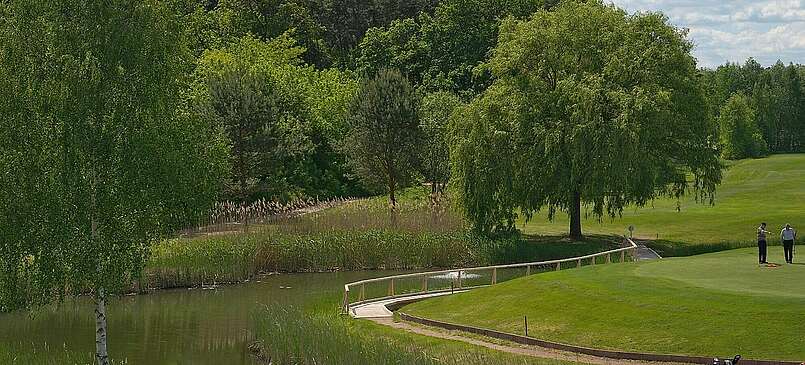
(775, 93)
(385, 136)
(739, 134)
(780, 104)
(328, 30)
(283, 118)
(91, 141)
(587, 105)
(440, 51)
(434, 114)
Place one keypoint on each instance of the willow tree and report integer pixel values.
(589, 106)
(97, 159)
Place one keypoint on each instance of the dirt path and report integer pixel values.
(533, 351)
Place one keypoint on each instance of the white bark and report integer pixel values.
(101, 355)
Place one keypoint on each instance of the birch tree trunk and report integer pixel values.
(101, 355)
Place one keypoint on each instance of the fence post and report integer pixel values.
(592, 261)
(345, 309)
(609, 259)
(559, 266)
(425, 283)
(494, 276)
(362, 294)
(623, 256)
(391, 287)
(525, 319)
(578, 263)
(459, 279)
(528, 270)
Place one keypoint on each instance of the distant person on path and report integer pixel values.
(788, 235)
(761, 243)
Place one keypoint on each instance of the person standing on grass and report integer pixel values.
(788, 235)
(761, 243)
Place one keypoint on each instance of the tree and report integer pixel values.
(99, 157)
(282, 118)
(588, 106)
(245, 90)
(384, 137)
(738, 131)
(440, 51)
(434, 114)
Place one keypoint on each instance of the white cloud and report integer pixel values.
(735, 30)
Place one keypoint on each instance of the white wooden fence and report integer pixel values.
(469, 278)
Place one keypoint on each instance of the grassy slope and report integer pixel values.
(770, 189)
(710, 305)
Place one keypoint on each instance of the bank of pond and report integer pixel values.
(225, 298)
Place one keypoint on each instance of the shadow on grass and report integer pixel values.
(666, 248)
(532, 248)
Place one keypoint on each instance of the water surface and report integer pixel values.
(177, 326)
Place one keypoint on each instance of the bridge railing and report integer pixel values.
(405, 285)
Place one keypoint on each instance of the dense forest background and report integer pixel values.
(282, 77)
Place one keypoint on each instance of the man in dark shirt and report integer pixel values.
(761, 242)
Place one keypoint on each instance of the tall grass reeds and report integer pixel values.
(235, 258)
(287, 336)
(349, 235)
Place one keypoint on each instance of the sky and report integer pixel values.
(735, 30)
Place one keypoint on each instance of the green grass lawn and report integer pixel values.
(770, 189)
(717, 304)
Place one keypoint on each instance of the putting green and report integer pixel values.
(710, 305)
(734, 271)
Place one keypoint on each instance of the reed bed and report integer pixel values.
(45, 354)
(228, 216)
(236, 258)
(423, 232)
(287, 336)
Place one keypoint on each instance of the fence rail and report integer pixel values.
(404, 285)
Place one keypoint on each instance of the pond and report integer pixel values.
(178, 326)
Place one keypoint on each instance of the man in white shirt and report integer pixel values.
(788, 235)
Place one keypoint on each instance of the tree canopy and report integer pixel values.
(440, 51)
(98, 156)
(435, 112)
(589, 106)
(774, 93)
(283, 118)
(384, 137)
(739, 134)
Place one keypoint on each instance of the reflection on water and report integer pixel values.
(454, 275)
(178, 326)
